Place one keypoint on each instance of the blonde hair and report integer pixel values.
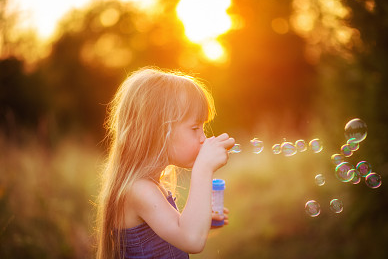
(140, 120)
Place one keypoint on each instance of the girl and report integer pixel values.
(156, 122)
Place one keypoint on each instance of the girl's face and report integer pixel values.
(186, 140)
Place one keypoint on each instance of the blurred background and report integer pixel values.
(290, 69)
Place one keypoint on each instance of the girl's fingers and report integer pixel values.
(226, 211)
(222, 137)
(229, 143)
(217, 216)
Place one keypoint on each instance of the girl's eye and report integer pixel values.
(195, 128)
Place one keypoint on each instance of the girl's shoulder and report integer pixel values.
(146, 186)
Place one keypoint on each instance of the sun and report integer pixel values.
(203, 22)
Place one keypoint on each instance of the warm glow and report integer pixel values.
(204, 21)
(321, 23)
(43, 15)
(213, 50)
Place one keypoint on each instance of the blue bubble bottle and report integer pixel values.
(218, 200)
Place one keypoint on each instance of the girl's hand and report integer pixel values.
(219, 217)
(214, 151)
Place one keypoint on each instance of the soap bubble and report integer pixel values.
(336, 206)
(312, 208)
(345, 150)
(344, 172)
(356, 129)
(353, 145)
(276, 149)
(288, 149)
(337, 159)
(373, 180)
(235, 149)
(319, 179)
(301, 145)
(258, 145)
(357, 176)
(364, 168)
(316, 145)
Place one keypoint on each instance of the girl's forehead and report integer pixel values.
(193, 120)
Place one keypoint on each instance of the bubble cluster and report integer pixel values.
(320, 179)
(316, 145)
(373, 180)
(356, 129)
(312, 208)
(345, 171)
(288, 149)
(235, 149)
(258, 145)
(336, 206)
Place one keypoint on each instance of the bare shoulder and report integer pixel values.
(144, 191)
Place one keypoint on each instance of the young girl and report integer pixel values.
(156, 122)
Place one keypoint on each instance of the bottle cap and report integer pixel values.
(218, 184)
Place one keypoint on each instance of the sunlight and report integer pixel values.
(213, 50)
(43, 15)
(204, 21)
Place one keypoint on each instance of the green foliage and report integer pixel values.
(267, 89)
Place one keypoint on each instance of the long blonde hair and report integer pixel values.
(140, 119)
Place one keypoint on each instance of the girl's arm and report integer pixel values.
(187, 231)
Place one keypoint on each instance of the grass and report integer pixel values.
(46, 208)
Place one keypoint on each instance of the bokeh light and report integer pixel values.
(204, 21)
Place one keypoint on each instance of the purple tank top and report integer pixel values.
(142, 242)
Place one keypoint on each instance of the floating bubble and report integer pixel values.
(235, 149)
(356, 129)
(258, 145)
(288, 149)
(336, 206)
(316, 145)
(373, 180)
(312, 208)
(364, 168)
(337, 159)
(353, 145)
(319, 179)
(344, 172)
(345, 150)
(301, 145)
(276, 149)
(357, 176)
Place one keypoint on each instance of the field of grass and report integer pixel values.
(47, 211)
